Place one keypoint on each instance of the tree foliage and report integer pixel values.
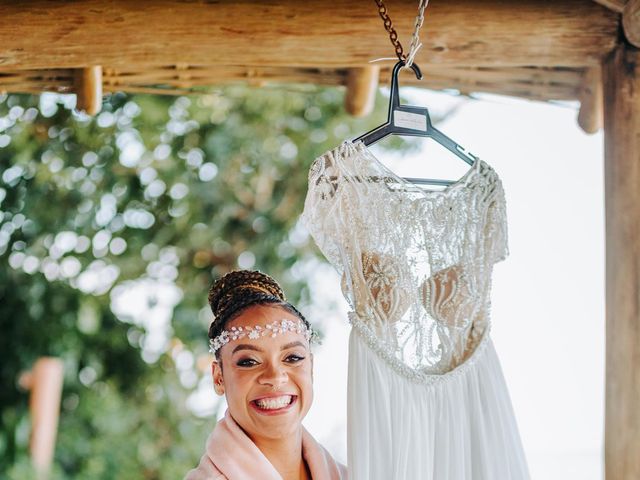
(112, 229)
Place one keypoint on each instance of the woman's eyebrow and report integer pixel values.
(246, 346)
(292, 344)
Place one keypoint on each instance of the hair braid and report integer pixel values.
(240, 289)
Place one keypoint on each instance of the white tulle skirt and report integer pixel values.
(461, 427)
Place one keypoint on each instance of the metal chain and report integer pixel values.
(393, 35)
(388, 25)
(415, 45)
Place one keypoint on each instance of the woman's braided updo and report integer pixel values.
(240, 289)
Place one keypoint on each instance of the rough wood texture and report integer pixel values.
(527, 82)
(631, 22)
(362, 84)
(615, 5)
(622, 209)
(590, 114)
(344, 33)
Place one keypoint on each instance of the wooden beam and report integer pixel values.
(344, 33)
(362, 84)
(622, 217)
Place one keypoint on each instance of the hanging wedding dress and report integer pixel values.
(426, 394)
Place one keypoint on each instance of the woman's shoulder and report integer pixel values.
(339, 470)
(206, 470)
(320, 461)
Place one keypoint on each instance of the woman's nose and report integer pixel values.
(274, 375)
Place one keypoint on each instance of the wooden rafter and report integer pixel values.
(362, 84)
(590, 117)
(527, 82)
(88, 85)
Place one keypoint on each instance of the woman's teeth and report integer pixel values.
(274, 402)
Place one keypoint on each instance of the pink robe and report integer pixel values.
(230, 454)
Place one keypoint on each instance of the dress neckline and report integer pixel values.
(462, 181)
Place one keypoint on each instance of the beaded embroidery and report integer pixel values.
(272, 329)
(416, 264)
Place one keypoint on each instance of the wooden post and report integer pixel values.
(362, 84)
(622, 209)
(45, 383)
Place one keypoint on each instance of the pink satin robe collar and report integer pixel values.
(230, 454)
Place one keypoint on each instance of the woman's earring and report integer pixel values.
(218, 387)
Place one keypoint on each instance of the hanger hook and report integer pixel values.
(401, 64)
(395, 97)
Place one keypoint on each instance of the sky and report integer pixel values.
(547, 296)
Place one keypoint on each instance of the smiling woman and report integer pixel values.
(264, 367)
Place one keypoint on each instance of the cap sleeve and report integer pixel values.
(496, 229)
(322, 214)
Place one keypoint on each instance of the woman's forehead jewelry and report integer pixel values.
(255, 332)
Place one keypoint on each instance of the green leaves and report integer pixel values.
(111, 231)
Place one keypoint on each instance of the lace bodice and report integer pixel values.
(416, 264)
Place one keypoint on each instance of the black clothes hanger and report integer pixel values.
(413, 121)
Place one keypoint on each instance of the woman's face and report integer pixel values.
(267, 381)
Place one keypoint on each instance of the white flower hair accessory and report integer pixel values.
(272, 329)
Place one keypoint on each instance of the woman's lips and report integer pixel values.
(274, 405)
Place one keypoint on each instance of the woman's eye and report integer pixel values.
(294, 358)
(246, 362)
